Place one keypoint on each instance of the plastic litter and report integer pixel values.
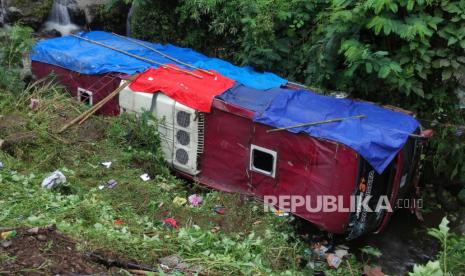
(35, 104)
(107, 164)
(1, 165)
(8, 234)
(172, 222)
(111, 184)
(372, 271)
(333, 260)
(341, 253)
(195, 200)
(145, 177)
(53, 179)
(216, 229)
(118, 222)
(219, 209)
(179, 201)
(319, 250)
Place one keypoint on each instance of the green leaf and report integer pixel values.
(384, 71)
(446, 74)
(430, 269)
(443, 226)
(371, 251)
(368, 68)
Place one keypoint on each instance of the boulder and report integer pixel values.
(28, 12)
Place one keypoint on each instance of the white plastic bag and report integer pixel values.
(53, 179)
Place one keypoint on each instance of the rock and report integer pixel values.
(31, 13)
(50, 33)
(171, 261)
(6, 244)
(13, 14)
(33, 230)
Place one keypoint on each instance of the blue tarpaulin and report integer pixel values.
(252, 99)
(377, 138)
(87, 58)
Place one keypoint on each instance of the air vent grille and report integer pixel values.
(182, 157)
(183, 137)
(183, 118)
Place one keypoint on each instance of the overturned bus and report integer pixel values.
(258, 135)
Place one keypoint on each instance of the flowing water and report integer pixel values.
(2, 12)
(129, 18)
(59, 19)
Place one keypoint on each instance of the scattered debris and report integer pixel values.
(281, 213)
(341, 253)
(33, 230)
(174, 263)
(145, 177)
(109, 185)
(219, 209)
(333, 260)
(8, 234)
(172, 222)
(372, 271)
(319, 250)
(107, 164)
(53, 179)
(195, 200)
(179, 201)
(35, 104)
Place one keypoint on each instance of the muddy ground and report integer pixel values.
(44, 251)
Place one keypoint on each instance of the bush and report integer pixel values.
(402, 52)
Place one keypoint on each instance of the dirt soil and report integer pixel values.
(44, 251)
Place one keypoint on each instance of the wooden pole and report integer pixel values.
(163, 54)
(316, 123)
(86, 114)
(136, 56)
(104, 101)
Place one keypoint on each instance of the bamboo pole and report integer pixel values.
(136, 56)
(316, 123)
(163, 54)
(94, 108)
(104, 101)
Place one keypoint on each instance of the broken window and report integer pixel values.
(263, 160)
(85, 96)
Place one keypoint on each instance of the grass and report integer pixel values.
(249, 241)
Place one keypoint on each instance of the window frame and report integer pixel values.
(80, 91)
(273, 153)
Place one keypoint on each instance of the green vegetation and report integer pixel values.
(402, 52)
(450, 260)
(127, 219)
(399, 52)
